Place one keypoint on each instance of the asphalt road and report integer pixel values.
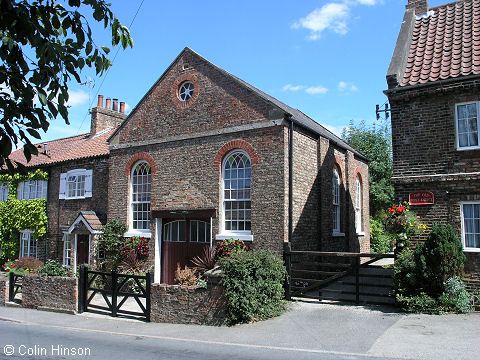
(308, 331)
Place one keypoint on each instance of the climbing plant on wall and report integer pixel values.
(17, 215)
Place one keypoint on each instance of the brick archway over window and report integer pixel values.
(137, 157)
(231, 145)
(336, 161)
(358, 172)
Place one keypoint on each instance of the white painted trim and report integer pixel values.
(211, 232)
(75, 257)
(158, 251)
(87, 225)
(131, 230)
(147, 235)
(463, 148)
(243, 237)
(462, 221)
(361, 233)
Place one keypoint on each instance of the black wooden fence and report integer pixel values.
(15, 285)
(312, 273)
(115, 290)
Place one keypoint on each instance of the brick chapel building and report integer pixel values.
(434, 94)
(204, 156)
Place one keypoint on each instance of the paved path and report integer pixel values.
(307, 331)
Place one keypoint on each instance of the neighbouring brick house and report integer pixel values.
(434, 94)
(205, 156)
(76, 190)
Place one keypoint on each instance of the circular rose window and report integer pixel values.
(185, 92)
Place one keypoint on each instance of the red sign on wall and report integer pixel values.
(421, 197)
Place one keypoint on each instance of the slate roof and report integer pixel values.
(299, 117)
(445, 44)
(66, 149)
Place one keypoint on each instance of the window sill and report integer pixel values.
(466, 148)
(243, 237)
(75, 198)
(472, 250)
(338, 234)
(138, 233)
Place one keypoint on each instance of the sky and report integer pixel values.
(327, 58)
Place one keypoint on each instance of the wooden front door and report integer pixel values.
(182, 240)
(83, 246)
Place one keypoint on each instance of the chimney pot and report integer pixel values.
(115, 105)
(108, 102)
(45, 148)
(100, 101)
(420, 6)
(122, 107)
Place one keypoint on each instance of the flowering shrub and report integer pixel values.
(24, 265)
(229, 247)
(134, 254)
(402, 223)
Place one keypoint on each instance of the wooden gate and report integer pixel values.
(15, 286)
(340, 276)
(115, 290)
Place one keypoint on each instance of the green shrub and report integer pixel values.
(456, 298)
(439, 258)
(405, 277)
(54, 268)
(421, 303)
(253, 283)
(380, 240)
(229, 247)
(111, 243)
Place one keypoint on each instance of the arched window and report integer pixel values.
(237, 193)
(336, 200)
(358, 204)
(140, 197)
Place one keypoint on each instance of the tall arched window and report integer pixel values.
(336, 200)
(140, 197)
(358, 204)
(237, 193)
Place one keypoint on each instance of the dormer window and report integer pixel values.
(185, 92)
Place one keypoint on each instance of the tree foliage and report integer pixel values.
(43, 45)
(375, 143)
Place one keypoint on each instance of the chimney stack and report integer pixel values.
(107, 117)
(420, 6)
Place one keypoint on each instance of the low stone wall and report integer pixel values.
(189, 304)
(50, 293)
(3, 291)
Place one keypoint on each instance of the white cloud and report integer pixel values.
(316, 90)
(332, 16)
(367, 2)
(346, 87)
(127, 108)
(77, 97)
(337, 130)
(290, 87)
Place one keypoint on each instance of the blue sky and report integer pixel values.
(326, 58)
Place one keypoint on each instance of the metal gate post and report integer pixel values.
(114, 293)
(11, 286)
(287, 248)
(82, 295)
(148, 287)
(357, 280)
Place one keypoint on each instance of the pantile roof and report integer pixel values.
(445, 44)
(71, 148)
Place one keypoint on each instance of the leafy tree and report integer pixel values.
(43, 44)
(375, 143)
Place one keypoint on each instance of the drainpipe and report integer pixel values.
(288, 118)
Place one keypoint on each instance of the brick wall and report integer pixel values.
(424, 144)
(50, 292)
(62, 212)
(3, 290)
(188, 304)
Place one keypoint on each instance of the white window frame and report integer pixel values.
(27, 235)
(168, 231)
(244, 235)
(4, 190)
(207, 231)
(27, 185)
(63, 192)
(336, 201)
(358, 206)
(131, 230)
(67, 250)
(462, 203)
(461, 148)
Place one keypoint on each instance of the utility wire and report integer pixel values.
(108, 70)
